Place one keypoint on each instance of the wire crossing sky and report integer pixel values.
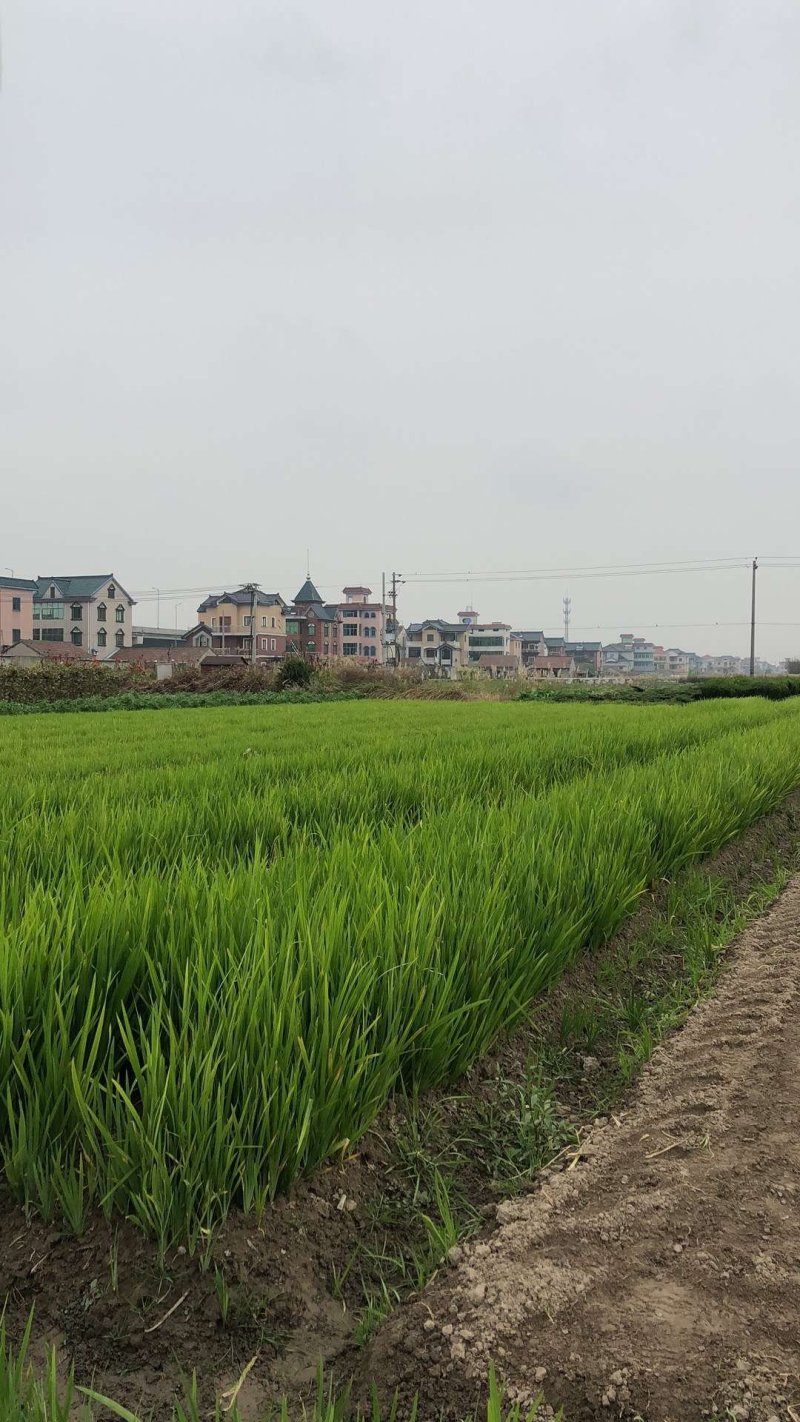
(460, 290)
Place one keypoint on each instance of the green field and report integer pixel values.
(228, 934)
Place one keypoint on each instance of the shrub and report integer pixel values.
(294, 671)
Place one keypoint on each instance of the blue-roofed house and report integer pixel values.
(91, 611)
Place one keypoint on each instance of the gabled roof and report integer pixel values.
(308, 593)
(439, 624)
(19, 584)
(553, 663)
(583, 646)
(81, 588)
(488, 659)
(529, 636)
(181, 656)
(49, 651)
(241, 598)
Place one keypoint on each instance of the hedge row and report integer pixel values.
(150, 701)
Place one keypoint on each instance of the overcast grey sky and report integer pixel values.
(434, 286)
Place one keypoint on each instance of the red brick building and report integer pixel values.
(313, 629)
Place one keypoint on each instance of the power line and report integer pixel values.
(670, 565)
(667, 626)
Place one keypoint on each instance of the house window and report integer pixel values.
(350, 629)
(312, 646)
(350, 649)
(119, 613)
(292, 626)
(112, 592)
(37, 634)
(102, 636)
(16, 604)
(16, 635)
(272, 644)
(119, 638)
(76, 637)
(52, 634)
(52, 589)
(272, 623)
(101, 612)
(76, 612)
(53, 610)
(263, 622)
(247, 621)
(429, 637)
(311, 629)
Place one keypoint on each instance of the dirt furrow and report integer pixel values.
(659, 1274)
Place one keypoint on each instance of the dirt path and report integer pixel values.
(659, 1276)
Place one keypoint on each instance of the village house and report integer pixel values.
(587, 656)
(313, 629)
(16, 610)
(27, 653)
(362, 623)
(92, 612)
(229, 617)
(445, 648)
(165, 661)
(530, 646)
(553, 668)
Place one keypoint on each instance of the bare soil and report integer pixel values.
(107, 1302)
(657, 1275)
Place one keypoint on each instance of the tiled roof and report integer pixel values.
(79, 588)
(53, 651)
(554, 663)
(486, 659)
(19, 584)
(180, 655)
(437, 622)
(241, 598)
(529, 636)
(308, 593)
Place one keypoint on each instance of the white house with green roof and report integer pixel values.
(92, 611)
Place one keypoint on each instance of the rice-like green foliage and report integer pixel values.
(226, 935)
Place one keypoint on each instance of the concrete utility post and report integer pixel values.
(753, 622)
(383, 619)
(396, 579)
(252, 588)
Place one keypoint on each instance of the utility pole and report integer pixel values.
(252, 588)
(567, 610)
(753, 622)
(396, 580)
(383, 618)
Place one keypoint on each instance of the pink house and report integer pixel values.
(16, 610)
(362, 625)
